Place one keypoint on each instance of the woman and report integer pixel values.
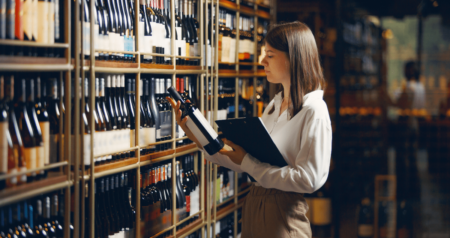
(299, 124)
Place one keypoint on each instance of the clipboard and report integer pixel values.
(252, 135)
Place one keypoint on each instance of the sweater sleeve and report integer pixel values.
(222, 160)
(311, 167)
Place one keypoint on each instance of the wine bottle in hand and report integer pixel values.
(198, 125)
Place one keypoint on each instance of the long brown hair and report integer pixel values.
(297, 41)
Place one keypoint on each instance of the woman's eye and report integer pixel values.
(270, 56)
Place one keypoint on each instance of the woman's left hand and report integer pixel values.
(237, 155)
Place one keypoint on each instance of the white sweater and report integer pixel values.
(304, 141)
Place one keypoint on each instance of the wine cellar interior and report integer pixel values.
(91, 147)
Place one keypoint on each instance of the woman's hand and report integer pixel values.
(237, 155)
(182, 122)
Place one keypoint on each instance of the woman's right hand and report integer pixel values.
(182, 122)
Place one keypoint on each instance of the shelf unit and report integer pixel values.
(220, 211)
(72, 171)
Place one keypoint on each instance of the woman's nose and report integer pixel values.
(264, 61)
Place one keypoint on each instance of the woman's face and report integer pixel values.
(276, 64)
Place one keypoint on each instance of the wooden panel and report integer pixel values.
(157, 155)
(30, 60)
(247, 11)
(187, 228)
(185, 147)
(189, 67)
(263, 14)
(228, 4)
(32, 186)
(113, 165)
(156, 66)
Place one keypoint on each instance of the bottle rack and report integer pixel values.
(74, 175)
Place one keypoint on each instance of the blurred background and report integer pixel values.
(387, 65)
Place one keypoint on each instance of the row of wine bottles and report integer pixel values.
(32, 20)
(115, 30)
(246, 44)
(42, 217)
(224, 184)
(30, 119)
(29, 126)
(114, 213)
(156, 185)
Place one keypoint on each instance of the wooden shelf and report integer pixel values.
(247, 10)
(157, 155)
(228, 5)
(113, 165)
(31, 60)
(110, 64)
(156, 66)
(185, 148)
(32, 189)
(188, 67)
(263, 14)
(223, 212)
(32, 44)
(189, 228)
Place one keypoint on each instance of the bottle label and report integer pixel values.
(321, 211)
(13, 180)
(27, 18)
(40, 156)
(29, 154)
(141, 26)
(232, 50)
(132, 138)
(35, 31)
(226, 43)
(96, 38)
(147, 136)
(148, 46)
(51, 22)
(3, 147)
(196, 131)
(188, 203)
(86, 38)
(365, 230)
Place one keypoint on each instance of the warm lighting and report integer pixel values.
(435, 4)
(387, 34)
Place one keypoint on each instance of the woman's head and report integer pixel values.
(292, 59)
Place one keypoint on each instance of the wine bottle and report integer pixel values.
(43, 118)
(47, 217)
(183, 197)
(4, 133)
(122, 101)
(405, 221)
(154, 109)
(100, 125)
(130, 108)
(114, 92)
(16, 162)
(107, 118)
(365, 219)
(198, 125)
(108, 103)
(321, 213)
(166, 187)
(164, 202)
(56, 223)
(26, 129)
(54, 115)
(39, 143)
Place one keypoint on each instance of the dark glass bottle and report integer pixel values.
(3, 133)
(100, 125)
(43, 118)
(109, 103)
(114, 90)
(39, 143)
(106, 113)
(26, 128)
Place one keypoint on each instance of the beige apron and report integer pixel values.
(273, 213)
